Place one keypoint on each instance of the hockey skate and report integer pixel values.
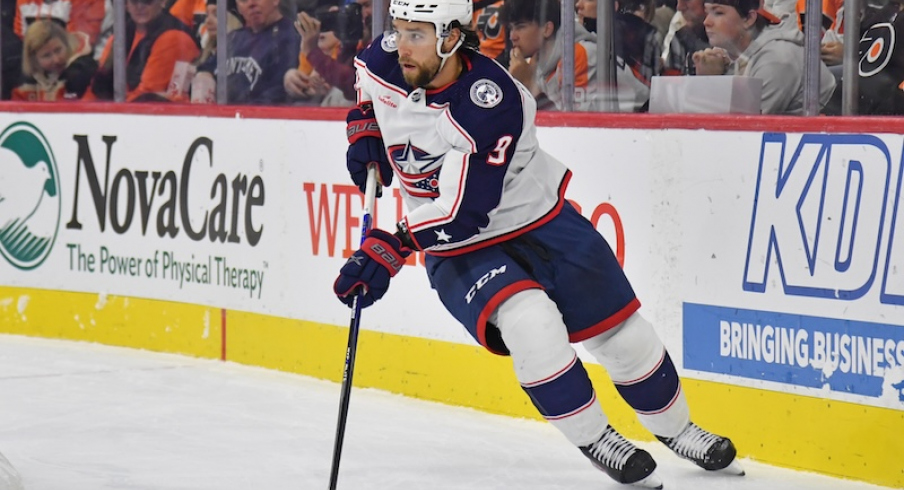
(705, 449)
(622, 460)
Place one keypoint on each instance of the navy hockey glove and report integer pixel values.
(365, 147)
(380, 257)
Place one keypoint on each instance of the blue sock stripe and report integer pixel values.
(564, 394)
(663, 409)
(580, 409)
(655, 392)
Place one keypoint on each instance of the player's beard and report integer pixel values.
(424, 74)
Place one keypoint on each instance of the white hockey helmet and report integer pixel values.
(441, 13)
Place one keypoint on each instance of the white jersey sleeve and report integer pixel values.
(466, 155)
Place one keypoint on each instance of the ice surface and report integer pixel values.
(79, 416)
(9, 477)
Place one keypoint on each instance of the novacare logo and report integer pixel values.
(29, 196)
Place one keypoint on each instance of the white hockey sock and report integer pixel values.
(547, 365)
(643, 373)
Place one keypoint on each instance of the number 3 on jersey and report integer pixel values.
(497, 156)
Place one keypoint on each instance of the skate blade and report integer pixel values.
(734, 468)
(651, 481)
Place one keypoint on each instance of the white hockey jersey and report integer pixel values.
(465, 155)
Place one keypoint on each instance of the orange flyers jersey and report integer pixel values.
(584, 72)
(488, 24)
(829, 12)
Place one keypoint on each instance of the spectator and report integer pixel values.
(676, 23)
(831, 31)
(491, 30)
(208, 39)
(329, 42)
(642, 9)
(780, 8)
(881, 66)
(259, 55)
(367, 16)
(831, 48)
(7, 15)
(665, 10)
(85, 16)
(156, 41)
(57, 65)
(192, 13)
(637, 47)
(749, 41)
(586, 13)
(11, 62)
(687, 40)
(106, 30)
(533, 27)
(830, 10)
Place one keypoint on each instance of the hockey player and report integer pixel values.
(510, 258)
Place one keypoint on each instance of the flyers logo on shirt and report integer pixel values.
(876, 48)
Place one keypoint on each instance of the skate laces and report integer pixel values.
(612, 449)
(693, 442)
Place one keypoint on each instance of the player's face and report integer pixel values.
(417, 51)
(725, 27)
(526, 36)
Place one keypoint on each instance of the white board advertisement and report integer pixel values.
(770, 260)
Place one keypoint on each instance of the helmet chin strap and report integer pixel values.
(445, 56)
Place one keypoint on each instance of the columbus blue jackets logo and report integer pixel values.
(418, 172)
(389, 42)
(29, 196)
(485, 93)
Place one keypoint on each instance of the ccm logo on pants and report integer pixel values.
(482, 282)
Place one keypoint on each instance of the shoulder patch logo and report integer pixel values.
(485, 93)
(389, 42)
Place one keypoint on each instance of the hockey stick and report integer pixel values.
(370, 196)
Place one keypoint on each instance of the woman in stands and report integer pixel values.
(749, 41)
(156, 41)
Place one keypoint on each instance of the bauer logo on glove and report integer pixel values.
(389, 257)
(365, 147)
(380, 258)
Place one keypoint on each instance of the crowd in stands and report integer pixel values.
(301, 52)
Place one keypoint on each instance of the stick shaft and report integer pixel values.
(370, 196)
